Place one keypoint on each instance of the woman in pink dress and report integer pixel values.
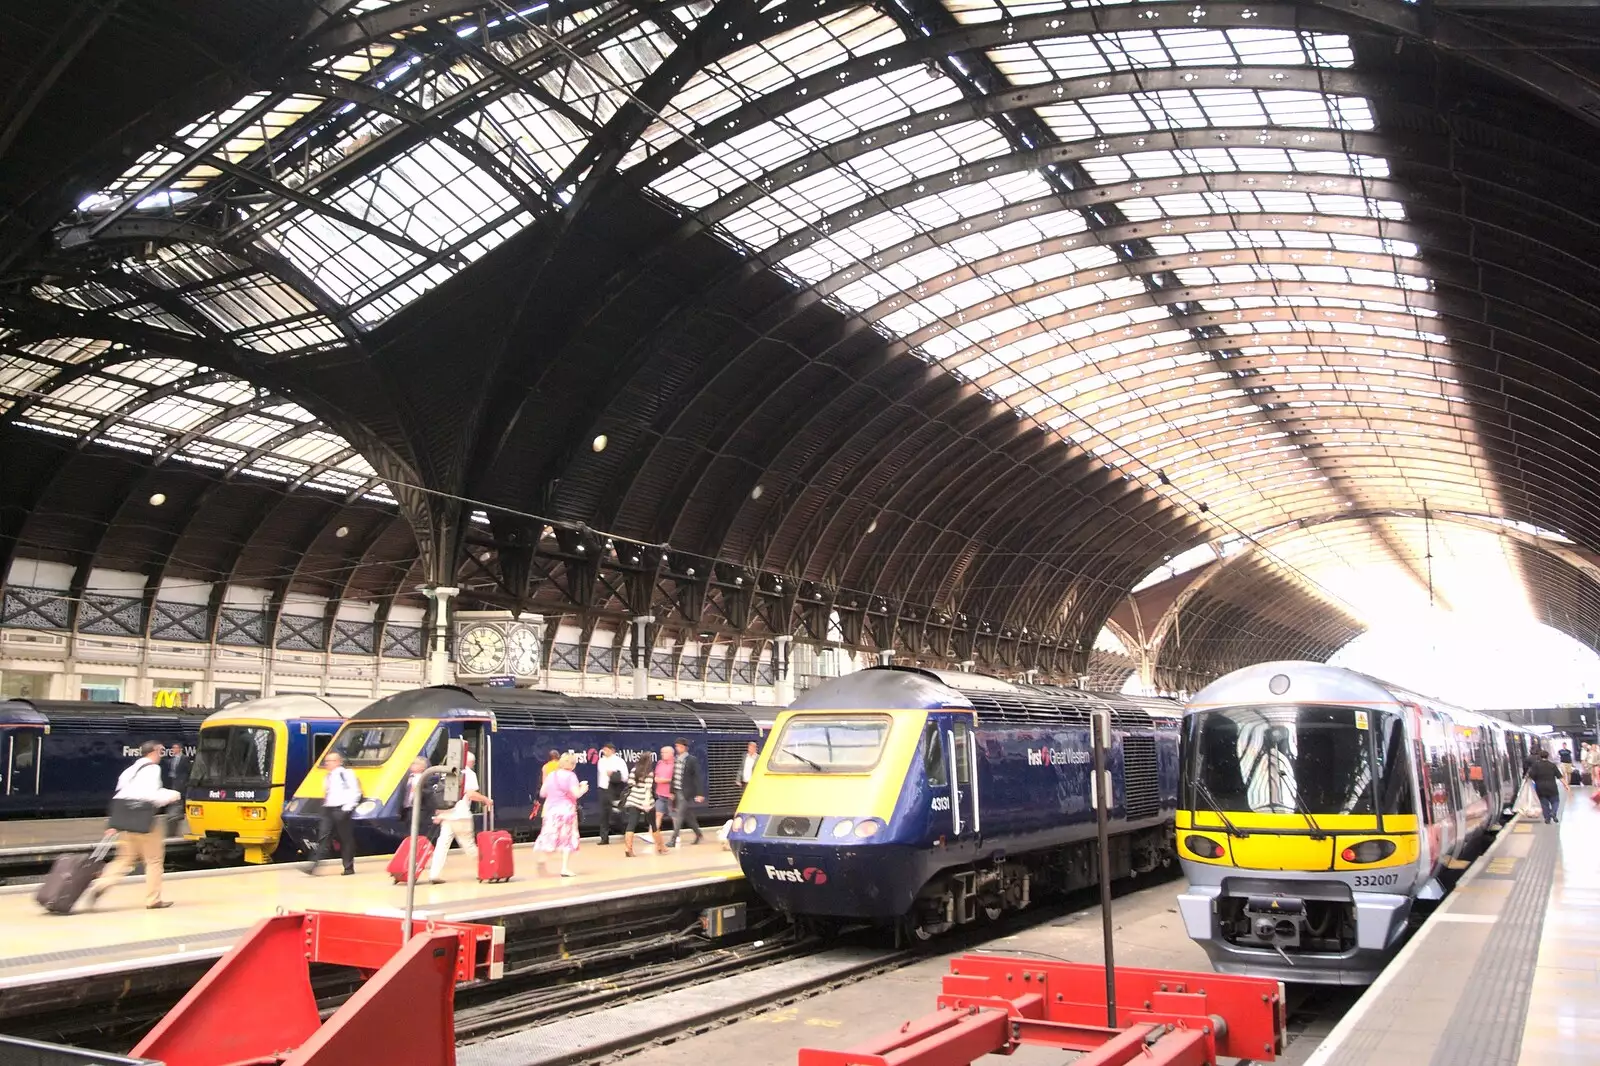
(559, 829)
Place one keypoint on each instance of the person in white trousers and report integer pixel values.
(456, 823)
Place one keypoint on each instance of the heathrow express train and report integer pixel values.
(930, 798)
(511, 732)
(1318, 804)
(250, 759)
(61, 758)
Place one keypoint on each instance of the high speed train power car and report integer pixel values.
(1317, 804)
(61, 758)
(510, 731)
(250, 759)
(929, 798)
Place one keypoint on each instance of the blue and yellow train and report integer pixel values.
(249, 758)
(932, 798)
(511, 732)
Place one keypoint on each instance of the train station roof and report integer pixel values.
(956, 326)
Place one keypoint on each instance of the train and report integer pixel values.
(61, 758)
(510, 732)
(249, 757)
(928, 799)
(1318, 805)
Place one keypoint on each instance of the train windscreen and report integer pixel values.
(829, 744)
(1297, 759)
(233, 756)
(369, 745)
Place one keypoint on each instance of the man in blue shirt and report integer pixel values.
(341, 793)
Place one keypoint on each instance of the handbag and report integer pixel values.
(132, 816)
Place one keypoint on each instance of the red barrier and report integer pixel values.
(994, 1004)
(255, 1007)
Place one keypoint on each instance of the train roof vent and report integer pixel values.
(1025, 707)
(1126, 712)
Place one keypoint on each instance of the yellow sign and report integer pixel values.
(170, 697)
(1361, 719)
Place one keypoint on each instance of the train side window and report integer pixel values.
(963, 744)
(934, 766)
(438, 747)
(319, 745)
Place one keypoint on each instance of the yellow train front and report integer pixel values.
(249, 759)
(1316, 805)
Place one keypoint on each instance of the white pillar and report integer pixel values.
(885, 656)
(967, 665)
(439, 660)
(783, 680)
(641, 656)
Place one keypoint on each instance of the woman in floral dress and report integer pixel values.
(559, 829)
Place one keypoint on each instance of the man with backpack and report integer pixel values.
(341, 794)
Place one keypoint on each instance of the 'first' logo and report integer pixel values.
(809, 876)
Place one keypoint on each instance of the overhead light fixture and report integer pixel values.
(599, 443)
(342, 532)
(157, 499)
(755, 493)
(872, 526)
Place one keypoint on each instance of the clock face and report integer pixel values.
(524, 651)
(481, 650)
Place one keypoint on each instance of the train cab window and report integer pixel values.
(822, 744)
(232, 756)
(438, 747)
(1394, 770)
(934, 766)
(370, 745)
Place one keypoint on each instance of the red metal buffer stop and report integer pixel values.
(995, 1004)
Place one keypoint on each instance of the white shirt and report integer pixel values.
(749, 770)
(610, 768)
(341, 790)
(469, 785)
(142, 781)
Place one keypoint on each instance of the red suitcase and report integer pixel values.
(495, 862)
(397, 865)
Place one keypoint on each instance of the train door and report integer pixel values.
(24, 749)
(966, 815)
(476, 734)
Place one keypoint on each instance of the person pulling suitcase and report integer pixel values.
(136, 814)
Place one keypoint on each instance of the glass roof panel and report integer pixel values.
(173, 409)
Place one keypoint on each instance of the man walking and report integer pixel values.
(456, 823)
(752, 751)
(686, 783)
(341, 793)
(1548, 782)
(136, 812)
(611, 775)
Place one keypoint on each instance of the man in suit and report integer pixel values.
(686, 783)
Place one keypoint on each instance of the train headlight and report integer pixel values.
(843, 828)
(749, 823)
(1204, 847)
(196, 811)
(366, 807)
(868, 827)
(293, 806)
(1368, 851)
(253, 814)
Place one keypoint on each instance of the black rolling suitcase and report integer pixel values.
(70, 876)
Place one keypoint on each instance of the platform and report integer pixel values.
(44, 957)
(1505, 972)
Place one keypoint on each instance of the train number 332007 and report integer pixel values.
(1376, 880)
